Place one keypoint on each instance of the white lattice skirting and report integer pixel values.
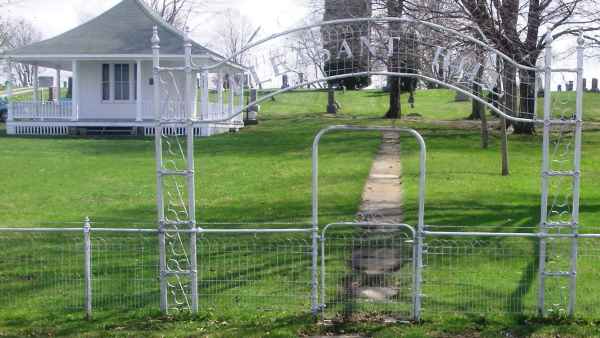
(67, 128)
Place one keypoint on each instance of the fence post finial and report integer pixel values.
(155, 38)
(186, 34)
(580, 39)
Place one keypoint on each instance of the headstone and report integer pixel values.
(585, 85)
(595, 86)
(559, 88)
(541, 92)
(461, 97)
(252, 115)
(331, 106)
(570, 86)
(285, 81)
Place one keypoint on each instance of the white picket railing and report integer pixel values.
(170, 110)
(175, 111)
(43, 110)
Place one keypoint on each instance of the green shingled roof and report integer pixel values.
(124, 29)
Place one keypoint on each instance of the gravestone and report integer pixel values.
(252, 114)
(570, 86)
(461, 97)
(285, 82)
(331, 106)
(595, 86)
(541, 92)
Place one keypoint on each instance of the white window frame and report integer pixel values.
(125, 85)
(112, 83)
(102, 82)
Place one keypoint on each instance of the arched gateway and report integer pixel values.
(334, 52)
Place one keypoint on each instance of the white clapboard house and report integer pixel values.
(110, 61)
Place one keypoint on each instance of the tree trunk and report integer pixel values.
(478, 109)
(504, 147)
(395, 8)
(476, 106)
(485, 137)
(509, 102)
(395, 110)
(527, 97)
(510, 91)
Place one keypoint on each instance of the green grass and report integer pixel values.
(262, 174)
(437, 104)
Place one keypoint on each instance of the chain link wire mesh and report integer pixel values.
(366, 277)
(250, 273)
(40, 273)
(367, 272)
(480, 276)
(588, 275)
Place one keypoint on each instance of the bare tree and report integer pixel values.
(17, 34)
(514, 27)
(234, 33)
(307, 47)
(175, 12)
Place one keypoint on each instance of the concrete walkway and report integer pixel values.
(382, 204)
(382, 196)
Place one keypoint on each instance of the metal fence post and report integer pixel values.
(577, 177)
(158, 130)
(315, 224)
(189, 97)
(314, 299)
(545, 168)
(87, 259)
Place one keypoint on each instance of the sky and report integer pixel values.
(53, 17)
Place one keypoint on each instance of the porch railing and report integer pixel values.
(170, 110)
(175, 111)
(43, 110)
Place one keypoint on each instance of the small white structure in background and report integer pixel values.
(110, 59)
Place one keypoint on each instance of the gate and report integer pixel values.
(368, 270)
(373, 268)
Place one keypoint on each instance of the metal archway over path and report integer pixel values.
(354, 48)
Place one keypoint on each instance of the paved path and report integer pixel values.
(382, 196)
(382, 204)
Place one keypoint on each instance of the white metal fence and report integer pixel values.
(366, 271)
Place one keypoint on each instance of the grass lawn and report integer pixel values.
(262, 174)
(437, 104)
